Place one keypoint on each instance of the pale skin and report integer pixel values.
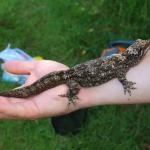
(49, 104)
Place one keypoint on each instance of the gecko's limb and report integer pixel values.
(128, 86)
(72, 92)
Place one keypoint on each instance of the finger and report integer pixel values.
(4, 101)
(29, 81)
(2, 116)
(10, 100)
(19, 110)
(19, 67)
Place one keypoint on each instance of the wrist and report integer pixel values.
(107, 94)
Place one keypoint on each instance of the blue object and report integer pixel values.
(114, 50)
(9, 54)
(120, 42)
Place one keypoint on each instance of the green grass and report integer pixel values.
(62, 30)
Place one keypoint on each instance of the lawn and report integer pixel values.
(72, 31)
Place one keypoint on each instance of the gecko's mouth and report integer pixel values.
(143, 45)
(148, 45)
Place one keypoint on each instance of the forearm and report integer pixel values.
(112, 92)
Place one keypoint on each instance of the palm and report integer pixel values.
(45, 104)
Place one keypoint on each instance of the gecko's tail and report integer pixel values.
(46, 82)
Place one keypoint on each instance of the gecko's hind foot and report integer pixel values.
(62, 95)
(128, 87)
(72, 99)
(72, 92)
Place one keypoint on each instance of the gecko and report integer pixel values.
(88, 74)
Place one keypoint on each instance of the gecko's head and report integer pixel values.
(137, 50)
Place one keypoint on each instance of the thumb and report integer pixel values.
(19, 67)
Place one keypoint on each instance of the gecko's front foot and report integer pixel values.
(128, 86)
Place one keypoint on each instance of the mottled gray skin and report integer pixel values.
(88, 74)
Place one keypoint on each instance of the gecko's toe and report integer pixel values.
(72, 99)
(63, 95)
(128, 87)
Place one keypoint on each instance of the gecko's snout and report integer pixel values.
(143, 42)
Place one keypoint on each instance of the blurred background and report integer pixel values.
(72, 31)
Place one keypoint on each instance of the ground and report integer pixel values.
(75, 29)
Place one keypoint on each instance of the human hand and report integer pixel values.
(45, 104)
